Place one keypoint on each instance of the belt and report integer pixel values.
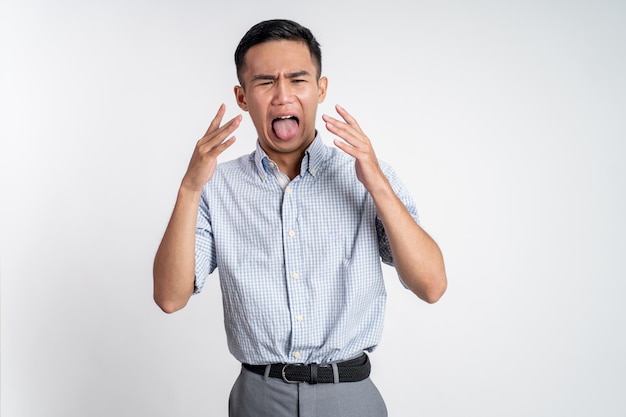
(352, 370)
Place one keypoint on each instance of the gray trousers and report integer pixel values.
(254, 395)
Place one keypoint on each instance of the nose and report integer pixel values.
(282, 92)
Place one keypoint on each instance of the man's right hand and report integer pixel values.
(174, 263)
(208, 148)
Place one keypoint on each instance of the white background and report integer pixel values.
(505, 119)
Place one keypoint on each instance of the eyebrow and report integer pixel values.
(289, 75)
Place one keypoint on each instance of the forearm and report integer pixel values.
(417, 257)
(174, 263)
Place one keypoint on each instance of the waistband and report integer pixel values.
(352, 370)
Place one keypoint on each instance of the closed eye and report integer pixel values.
(263, 79)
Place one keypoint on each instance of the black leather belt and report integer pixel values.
(352, 370)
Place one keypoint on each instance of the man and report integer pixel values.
(297, 230)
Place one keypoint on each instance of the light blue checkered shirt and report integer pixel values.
(299, 261)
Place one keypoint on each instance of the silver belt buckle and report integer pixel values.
(282, 372)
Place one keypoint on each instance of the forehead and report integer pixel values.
(278, 56)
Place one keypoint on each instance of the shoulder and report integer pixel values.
(338, 159)
(231, 174)
(242, 165)
(342, 161)
(238, 163)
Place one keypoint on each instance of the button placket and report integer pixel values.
(293, 267)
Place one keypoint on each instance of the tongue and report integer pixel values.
(285, 129)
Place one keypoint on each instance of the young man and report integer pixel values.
(297, 230)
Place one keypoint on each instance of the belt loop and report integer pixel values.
(267, 372)
(335, 372)
(313, 379)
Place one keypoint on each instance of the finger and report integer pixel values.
(354, 151)
(213, 151)
(215, 146)
(346, 147)
(347, 117)
(217, 119)
(224, 145)
(343, 130)
(222, 132)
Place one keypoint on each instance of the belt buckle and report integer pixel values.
(282, 372)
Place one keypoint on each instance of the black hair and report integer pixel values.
(274, 30)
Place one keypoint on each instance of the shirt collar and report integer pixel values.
(314, 157)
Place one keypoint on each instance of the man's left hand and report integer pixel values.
(357, 145)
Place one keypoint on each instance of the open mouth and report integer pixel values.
(285, 127)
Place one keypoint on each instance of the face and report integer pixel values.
(281, 92)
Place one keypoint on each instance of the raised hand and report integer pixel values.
(208, 148)
(358, 145)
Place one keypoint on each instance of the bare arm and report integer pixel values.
(417, 257)
(174, 263)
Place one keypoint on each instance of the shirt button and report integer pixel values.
(292, 233)
(296, 355)
(300, 318)
(313, 170)
(273, 165)
(295, 275)
(288, 190)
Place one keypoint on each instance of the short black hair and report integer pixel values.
(275, 30)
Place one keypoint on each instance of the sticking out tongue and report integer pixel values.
(285, 129)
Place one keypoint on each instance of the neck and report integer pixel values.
(289, 164)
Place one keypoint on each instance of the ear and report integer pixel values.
(240, 96)
(322, 85)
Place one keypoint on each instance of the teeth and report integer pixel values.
(286, 118)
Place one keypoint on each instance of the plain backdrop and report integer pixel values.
(505, 119)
